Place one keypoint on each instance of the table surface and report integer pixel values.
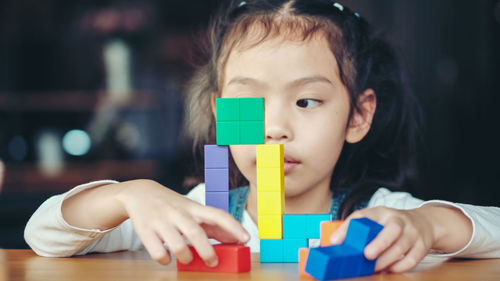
(123, 266)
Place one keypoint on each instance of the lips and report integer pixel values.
(290, 164)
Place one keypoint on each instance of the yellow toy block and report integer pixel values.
(270, 203)
(270, 180)
(270, 227)
(270, 156)
(327, 228)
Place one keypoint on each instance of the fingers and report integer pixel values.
(394, 253)
(412, 258)
(155, 247)
(171, 236)
(198, 238)
(338, 236)
(387, 237)
(222, 226)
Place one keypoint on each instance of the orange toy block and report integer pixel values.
(327, 228)
(233, 258)
(303, 253)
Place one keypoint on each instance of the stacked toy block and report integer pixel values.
(217, 176)
(347, 259)
(240, 121)
(233, 258)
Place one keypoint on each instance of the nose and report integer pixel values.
(277, 123)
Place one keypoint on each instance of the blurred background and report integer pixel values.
(93, 90)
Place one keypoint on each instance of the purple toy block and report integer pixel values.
(216, 180)
(216, 156)
(218, 200)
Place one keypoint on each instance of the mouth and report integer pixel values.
(290, 164)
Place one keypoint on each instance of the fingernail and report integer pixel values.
(334, 239)
(213, 263)
(245, 237)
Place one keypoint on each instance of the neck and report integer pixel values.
(313, 201)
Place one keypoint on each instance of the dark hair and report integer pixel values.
(387, 155)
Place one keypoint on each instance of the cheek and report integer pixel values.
(245, 158)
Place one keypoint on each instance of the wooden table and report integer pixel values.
(123, 266)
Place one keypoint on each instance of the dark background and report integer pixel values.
(52, 79)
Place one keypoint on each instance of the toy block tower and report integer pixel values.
(217, 176)
(240, 121)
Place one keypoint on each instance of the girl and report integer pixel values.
(335, 98)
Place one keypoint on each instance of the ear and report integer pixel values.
(213, 98)
(361, 119)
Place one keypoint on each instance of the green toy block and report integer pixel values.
(227, 109)
(251, 132)
(251, 109)
(228, 133)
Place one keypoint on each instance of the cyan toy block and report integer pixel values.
(270, 227)
(361, 232)
(251, 109)
(270, 179)
(227, 109)
(218, 200)
(251, 132)
(270, 156)
(270, 203)
(294, 226)
(228, 132)
(313, 225)
(291, 249)
(216, 180)
(271, 250)
(216, 156)
(333, 262)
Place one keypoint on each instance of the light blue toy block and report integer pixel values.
(314, 224)
(271, 250)
(251, 132)
(228, 132)
(294, 226)
(251, 109)
(291, 249)
(227, 109)
(216, 156)
(361, 232)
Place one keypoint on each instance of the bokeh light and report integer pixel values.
(76, 142)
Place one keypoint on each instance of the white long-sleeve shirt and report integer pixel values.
(48, 234)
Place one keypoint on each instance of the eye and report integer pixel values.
(308, 103)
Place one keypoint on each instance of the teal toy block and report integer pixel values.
(251, 132)
(294, 226)
(271, 250)
(228, 133)
(251, 109)
(227, 109)
(291, 249)
(361, 232)
(314, 224)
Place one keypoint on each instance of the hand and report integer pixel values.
(407, 237)
(160, 215)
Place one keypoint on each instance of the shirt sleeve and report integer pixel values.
(485, 239)
(48, 234)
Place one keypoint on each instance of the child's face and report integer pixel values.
(306, 107)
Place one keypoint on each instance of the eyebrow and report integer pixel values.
(295, 83)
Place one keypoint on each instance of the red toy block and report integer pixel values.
(233, 258)
(327, 229)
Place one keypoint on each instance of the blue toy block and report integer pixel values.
(216, 156)
(313, 224)
(333, 262)
(294, 226)
(291, 249)
(218, 200)
(361, 232)
(271, 250)
(216, 180)
(251, 132)
(251, 109)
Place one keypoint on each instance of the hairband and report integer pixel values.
(341, 8)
